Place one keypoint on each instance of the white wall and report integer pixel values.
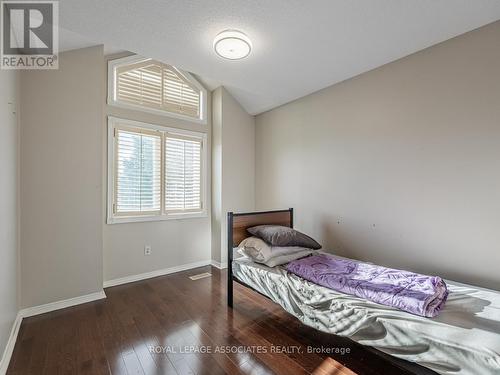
(9, 148)
(61, 179)
(174, 242)
(399, 166)
(233, 166)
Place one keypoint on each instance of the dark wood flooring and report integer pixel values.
(179, 318)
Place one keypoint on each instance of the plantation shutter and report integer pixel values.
(182, 173)
(159, 86)
(137, 171)
(178, 95)
(140, 84)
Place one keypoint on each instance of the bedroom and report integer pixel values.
(386, 146)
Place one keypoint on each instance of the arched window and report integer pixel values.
(145, 84)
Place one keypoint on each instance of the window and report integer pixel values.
(182, 174)
(140, 83)
(138, 172)
(154, 173)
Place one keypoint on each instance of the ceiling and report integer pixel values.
(298, 46)
(69, 40)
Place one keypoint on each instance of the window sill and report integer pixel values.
(142, 219)
(158, 112)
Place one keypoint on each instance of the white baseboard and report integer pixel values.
(9, 348)
(42, 309)
(219, 265)
(149, 275)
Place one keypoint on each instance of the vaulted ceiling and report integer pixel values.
(298, 46)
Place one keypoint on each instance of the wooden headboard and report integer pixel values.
(239, 222)
(237, 225)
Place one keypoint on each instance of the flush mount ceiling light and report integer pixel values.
(232, 45)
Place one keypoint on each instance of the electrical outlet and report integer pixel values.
(147, 250)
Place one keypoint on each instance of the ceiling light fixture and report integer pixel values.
(232, 45)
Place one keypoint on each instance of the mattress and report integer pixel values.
(463, 339)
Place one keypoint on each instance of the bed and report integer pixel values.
(463, 339)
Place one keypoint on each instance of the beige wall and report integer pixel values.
(399, 166)
(234, 166)
(67, 247)
(216, 174)
(61, 179)
(174, 242)
(9, 148)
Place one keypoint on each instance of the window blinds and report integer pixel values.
(156, 172)
(137, 172)
(182, 173)
(159, 86)
(141, 85)
(178, 95)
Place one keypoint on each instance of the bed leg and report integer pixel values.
(230, 259)
(230, 293)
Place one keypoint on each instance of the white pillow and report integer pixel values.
(260, 252)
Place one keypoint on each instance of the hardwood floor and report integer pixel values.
(161, 325)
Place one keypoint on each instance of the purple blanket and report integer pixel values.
(417, 294)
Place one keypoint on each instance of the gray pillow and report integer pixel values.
(277, 235)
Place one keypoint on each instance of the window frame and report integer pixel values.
(114, 65)
(114, 218)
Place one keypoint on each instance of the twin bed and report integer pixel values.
(463, 339)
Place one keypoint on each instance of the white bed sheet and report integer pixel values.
(464, 339)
